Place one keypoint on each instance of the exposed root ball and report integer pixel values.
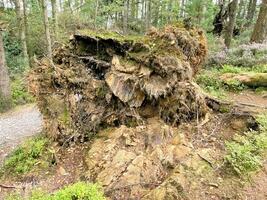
(111, 80)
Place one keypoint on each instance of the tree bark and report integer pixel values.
(260, 29)
(47, 31)
(4, 78)
(231, 23)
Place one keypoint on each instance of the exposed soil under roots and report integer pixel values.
(108, 80)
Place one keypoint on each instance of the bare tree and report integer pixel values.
(260, 29)
(47, 31)
(4, 78)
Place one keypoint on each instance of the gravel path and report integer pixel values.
(16, 126)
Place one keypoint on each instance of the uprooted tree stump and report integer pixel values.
(103, 80)
(142, 85)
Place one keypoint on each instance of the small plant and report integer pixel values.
(244, 155)
(24, 158)
(77, 191)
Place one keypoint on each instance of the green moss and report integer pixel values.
(103, 34)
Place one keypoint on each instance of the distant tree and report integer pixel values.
(22, 26)
(47, 30)
(260, 28)
(251, 12)
(232, 11)
(54, 16)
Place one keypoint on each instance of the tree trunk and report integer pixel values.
(148, 14)
(4, 78)
(47, 32)
(231, 23)
(96, 13)
(54, 15)
(19, 6)
(125, 16)
(182, 8)
(260, 29)
(25, 17)
(251, 12)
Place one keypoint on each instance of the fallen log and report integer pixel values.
(248, 79)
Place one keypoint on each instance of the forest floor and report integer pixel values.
(24, 122)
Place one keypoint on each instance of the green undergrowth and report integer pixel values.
(32, 154)
(246, 153)
(77, 191)
(209, 79)
(20, 94)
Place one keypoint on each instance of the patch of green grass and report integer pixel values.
(77, 191)
(25, 157)
(245, 153)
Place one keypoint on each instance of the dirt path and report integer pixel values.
(16, 125)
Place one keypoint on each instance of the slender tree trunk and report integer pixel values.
(148, 14)
(25, 17)
(251, 12)
(182, 8)
(47, 31)
(54, 15)
(22, 26)
(231, 23)
(96, 13)
(125, 16)
(260, 29)
(4, 78)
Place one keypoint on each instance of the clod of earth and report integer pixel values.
(108, 80)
